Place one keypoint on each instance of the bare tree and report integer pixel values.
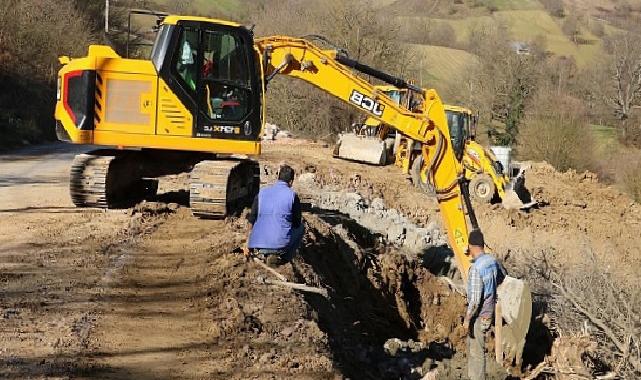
(625, 91)
(500, 85)
(354, 26)
(555, 129)
(626, 73)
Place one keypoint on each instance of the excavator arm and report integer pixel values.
(329, 70)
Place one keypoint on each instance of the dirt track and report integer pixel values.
(154, 293)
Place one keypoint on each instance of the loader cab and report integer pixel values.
(459, 124)
(474, 121)
(395, 95)
(211, 67)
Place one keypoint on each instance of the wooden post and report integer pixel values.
(498, 333)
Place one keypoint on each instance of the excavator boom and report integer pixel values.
(301, 59)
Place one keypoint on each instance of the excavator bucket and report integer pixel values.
(517, 196)
(367, 149)
(514, 308)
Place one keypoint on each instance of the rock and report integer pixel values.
(306, 178)
(392, 346)
(377, 204)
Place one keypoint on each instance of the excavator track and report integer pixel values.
(88, 183)
(218, 188)
(108, 179)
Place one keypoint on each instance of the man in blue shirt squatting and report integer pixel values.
(276, 228)
(484, 277)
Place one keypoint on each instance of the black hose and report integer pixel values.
(465, 191)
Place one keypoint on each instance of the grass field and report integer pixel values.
(226, 6)
(605, 136)
(441, 63)
(515, 4)
(527, 25)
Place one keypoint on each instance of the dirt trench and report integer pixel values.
(390, 314)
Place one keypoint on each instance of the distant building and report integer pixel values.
(520, 48)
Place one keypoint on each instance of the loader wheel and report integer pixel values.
(426, 187)
(482, 188)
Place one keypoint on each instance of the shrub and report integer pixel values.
(597, 28)
(571, 28)
(443, 34)
(33, 34)
(556, 130)
(554, 7)
(629, 173)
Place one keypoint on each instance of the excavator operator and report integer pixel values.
(276, 228)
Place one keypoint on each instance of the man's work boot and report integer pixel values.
(273, 261)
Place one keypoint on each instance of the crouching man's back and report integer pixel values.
(275, 218)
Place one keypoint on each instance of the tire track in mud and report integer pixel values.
(50, 306)
(144, 220)
(146, 313)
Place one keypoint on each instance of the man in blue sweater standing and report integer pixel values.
(484, 277)
(276, 228)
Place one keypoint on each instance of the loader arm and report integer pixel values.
(301, 59)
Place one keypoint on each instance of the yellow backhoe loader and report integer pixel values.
(377, 144)
(198, 106)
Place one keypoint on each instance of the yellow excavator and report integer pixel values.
(375, 143)
(198, 106)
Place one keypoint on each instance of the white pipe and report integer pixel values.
(106, 16)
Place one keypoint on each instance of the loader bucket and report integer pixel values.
(367, 149)
(517, 196)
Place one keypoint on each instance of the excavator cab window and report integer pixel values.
(212, 69)
(458, 124)
(225, 91)
(185, 59)
(474, 120)
(394, 95)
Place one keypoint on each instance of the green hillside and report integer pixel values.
(514, 4)
(440, 63)
(526, 25)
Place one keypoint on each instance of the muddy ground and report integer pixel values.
(154, 293)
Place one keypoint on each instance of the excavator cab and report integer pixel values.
(212, 69)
